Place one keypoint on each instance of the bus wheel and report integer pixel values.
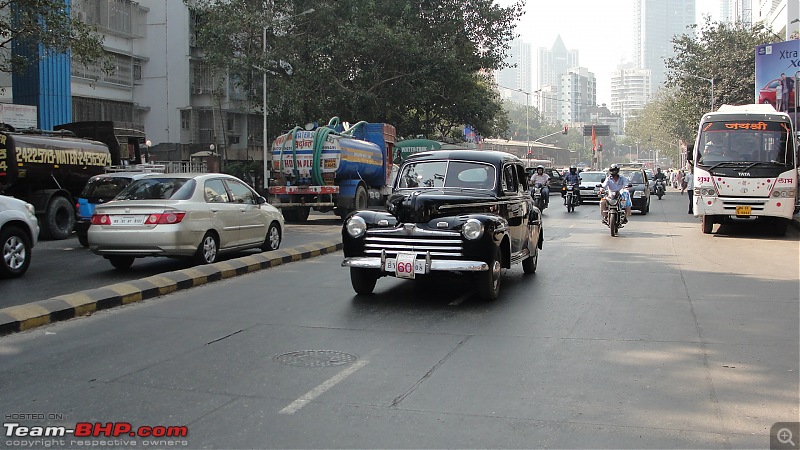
(707, 224)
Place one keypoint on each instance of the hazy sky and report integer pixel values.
(601, 30)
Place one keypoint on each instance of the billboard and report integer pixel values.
(772, 60)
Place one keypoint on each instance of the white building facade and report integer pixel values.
(656, 22)
(577, 93)
(630, 90)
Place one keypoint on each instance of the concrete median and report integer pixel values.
(24, 317)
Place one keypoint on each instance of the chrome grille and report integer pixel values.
(443, 245)
(754, 203)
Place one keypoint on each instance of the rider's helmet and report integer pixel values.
(614, 169)
(573, 169)
(540, 169)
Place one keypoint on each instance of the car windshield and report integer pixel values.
(633, 176)
(158, 189)
(439, 174)
(745, 141)
(104, 187)
(596, 177)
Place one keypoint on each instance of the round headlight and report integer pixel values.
(356, 226)
(472, 229)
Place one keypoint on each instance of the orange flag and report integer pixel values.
(594, 139)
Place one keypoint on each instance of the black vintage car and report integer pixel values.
(463, 211)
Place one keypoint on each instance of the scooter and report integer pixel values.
(659, 188)
(571, 199)
(538, 199)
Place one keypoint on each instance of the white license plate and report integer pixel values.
(587, 192)
(128, 220)
(406, 265)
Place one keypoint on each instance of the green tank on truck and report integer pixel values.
(49, 170)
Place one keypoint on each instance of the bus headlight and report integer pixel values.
(472, 229)
(708, 192)
(356, 226)
(783, 192)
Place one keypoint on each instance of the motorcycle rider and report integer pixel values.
(572, 178)
(616, 182)
(661, 176)
(542, 178)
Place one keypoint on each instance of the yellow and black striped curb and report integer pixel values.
(63, 307)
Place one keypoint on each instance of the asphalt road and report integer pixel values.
(660, 338)
(63, 267)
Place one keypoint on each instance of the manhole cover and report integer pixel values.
(316, 358)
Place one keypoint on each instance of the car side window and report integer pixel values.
(240, 193)
(522, 179)
(214, 192)
(509, 179)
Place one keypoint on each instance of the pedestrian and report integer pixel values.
(689, 184)
(683, 181)
(785, 87)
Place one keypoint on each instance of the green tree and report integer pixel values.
(420, 65)
(720, 51)
(26, 24)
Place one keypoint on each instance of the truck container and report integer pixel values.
(48, 170)
(330, 168)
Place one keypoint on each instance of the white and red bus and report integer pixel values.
(745, 167)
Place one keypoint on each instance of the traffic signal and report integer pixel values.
(565, 129)
(599, 147)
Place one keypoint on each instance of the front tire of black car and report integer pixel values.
(489, 281)
(363, 280)
(529, 264)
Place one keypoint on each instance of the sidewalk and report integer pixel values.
(24, 317)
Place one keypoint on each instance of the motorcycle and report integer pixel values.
(538, 199)
(571, 199)
(659, 188)
(615, 212)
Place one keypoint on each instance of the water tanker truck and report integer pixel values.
(48, 170)
(331, 168)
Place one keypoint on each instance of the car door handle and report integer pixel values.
(214, 210)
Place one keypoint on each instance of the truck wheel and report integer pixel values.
(59, 219)
(363, 280)
(489, 281)
(362, 199)
(707, 222)
(16, 256)
(121, 262)
(296, 215)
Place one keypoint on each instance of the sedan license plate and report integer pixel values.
(743, 210)
(406, 265)
(127, 220)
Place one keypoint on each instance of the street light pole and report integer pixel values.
(710, 80)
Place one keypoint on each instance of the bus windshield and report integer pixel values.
(748, 141)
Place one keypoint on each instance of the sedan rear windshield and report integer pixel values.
(439, 174)
(104, 187)
(158, 189)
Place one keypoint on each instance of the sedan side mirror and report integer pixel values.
(630, 185)
(260, 200)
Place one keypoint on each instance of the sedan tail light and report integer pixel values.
(165, 218)
(101, 219)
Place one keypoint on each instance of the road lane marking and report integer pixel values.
(319, 390)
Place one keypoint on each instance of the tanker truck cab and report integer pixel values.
(745, 167)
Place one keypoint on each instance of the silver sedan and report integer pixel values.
(184, 215)
(589, 182)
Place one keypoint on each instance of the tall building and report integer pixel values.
(656, 22)
(737, 11)
(554, 62)
(577, 93)
(630, 90)
(512, 80)
(780, 16)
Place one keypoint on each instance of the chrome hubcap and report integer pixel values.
(274, 238)
(14, 253)
(210, 249)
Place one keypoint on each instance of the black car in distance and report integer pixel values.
(462, 211)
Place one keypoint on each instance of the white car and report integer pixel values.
(19, 232)
(184, 215)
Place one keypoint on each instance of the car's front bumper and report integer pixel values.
(432, 265)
